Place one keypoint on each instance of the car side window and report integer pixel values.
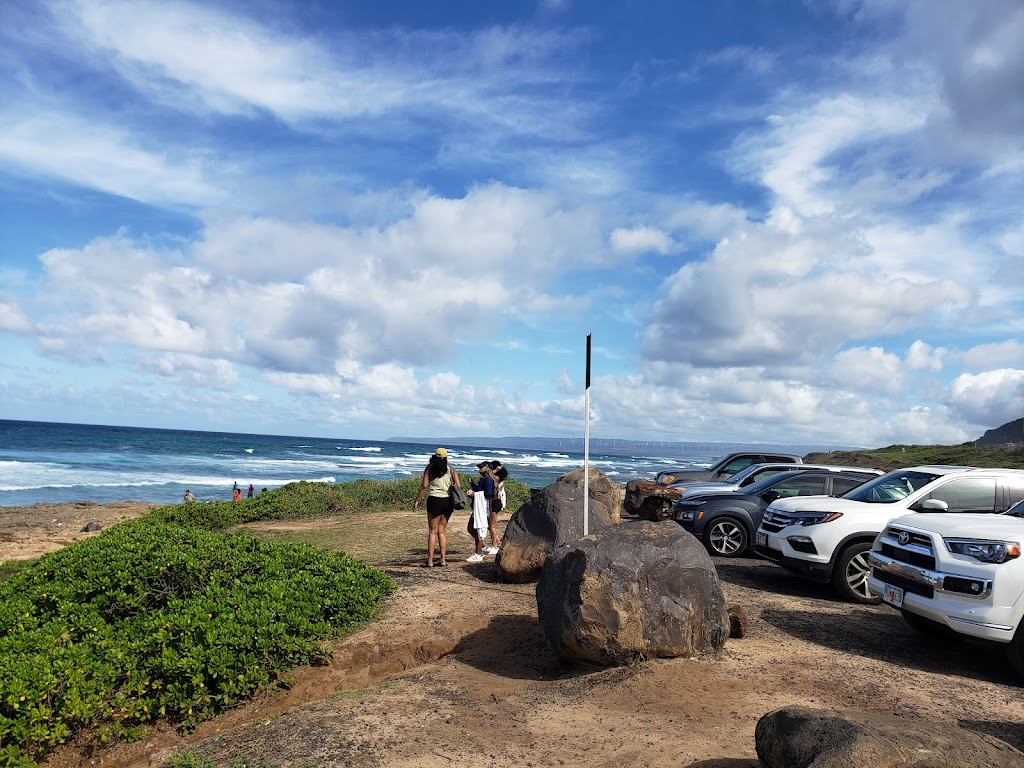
(800, 486)
(736, 465)
(841, 485)
(778, 459)
(966, 494)
(1014, 489)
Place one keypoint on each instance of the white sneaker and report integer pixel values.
(476, 557)
(490, 550)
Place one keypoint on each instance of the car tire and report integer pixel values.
(1015, 652)
(850, 575)
(931, 630)
(726, 537)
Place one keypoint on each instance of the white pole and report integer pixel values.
(586, 447)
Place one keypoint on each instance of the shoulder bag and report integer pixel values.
(457, 495)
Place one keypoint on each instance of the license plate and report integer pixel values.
(762, 539)
(893, 596)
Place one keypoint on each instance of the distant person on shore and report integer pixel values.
(437, 479)
(237, 494)
(481, 491)
(188, 496)
(235, 487)
(252, 490)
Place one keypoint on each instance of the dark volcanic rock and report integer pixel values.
(818, 738)
(553, 516)
(638, 589)
(649, 500)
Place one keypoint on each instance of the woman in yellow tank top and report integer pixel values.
(437, 479)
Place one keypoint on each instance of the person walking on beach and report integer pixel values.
(481, 491)
(252, 491)
(437, 479)
(188, 496)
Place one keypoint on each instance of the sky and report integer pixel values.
(781, 222)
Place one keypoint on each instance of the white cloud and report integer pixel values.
(923, 356)
(1001, 354)
(988, 399)
(640, 240)
(868, 369)
(88, 153)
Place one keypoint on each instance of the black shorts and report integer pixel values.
(439, 505)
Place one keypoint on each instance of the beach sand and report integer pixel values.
(28, 532)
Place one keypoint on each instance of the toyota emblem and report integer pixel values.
(903, 538)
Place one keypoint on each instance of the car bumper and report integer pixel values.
(820, 572)
(924, 592)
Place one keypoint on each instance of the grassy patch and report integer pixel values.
(898, 456)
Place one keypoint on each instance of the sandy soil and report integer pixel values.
(457, 673)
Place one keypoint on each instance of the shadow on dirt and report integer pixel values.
(766, 576)
(1011, 733)
(878, 633)
(512, 646)
(726, 762)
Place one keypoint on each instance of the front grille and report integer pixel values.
(907, 585)
(917, 550)
(910, 556)
(774, 521)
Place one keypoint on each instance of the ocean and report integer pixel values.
(49, 462)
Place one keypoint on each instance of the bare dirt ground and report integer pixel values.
(457, 672)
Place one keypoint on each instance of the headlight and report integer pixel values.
(688, 503)
(815, 518)
(684, 514)
(984, 551)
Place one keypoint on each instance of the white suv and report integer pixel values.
(827, 539)
(955, 573)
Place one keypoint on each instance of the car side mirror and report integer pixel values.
(932, 505)
(771, 496)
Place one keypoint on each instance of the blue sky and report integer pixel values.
(782, 222)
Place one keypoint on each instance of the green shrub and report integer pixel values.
(152, 619)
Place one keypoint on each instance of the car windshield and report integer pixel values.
(1017, 510)
(891, 487)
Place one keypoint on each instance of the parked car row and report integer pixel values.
(940, 544)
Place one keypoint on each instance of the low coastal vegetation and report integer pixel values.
(171, 616)
(900, 455)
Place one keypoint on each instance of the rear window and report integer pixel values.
(891, 487)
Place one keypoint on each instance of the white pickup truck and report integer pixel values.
(949, 573)
(827, 539)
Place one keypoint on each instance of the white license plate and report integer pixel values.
(762, 539)
(893, 596)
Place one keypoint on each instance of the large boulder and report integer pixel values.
(823, 738)
(635, 590)
(649, 500)
(553, 516)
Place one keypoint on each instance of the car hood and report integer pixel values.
(991, 527)
(832, 504)
(714, 493)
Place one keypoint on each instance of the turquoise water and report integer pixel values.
(48, 462)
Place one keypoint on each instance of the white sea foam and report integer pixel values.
(249, 450)
(372, 448)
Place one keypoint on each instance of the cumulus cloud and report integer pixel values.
(869, 369)
(988, 399)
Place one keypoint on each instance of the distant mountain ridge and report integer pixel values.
(615, 445)
(1011, 432)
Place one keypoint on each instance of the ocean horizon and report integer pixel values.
(52, 462)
